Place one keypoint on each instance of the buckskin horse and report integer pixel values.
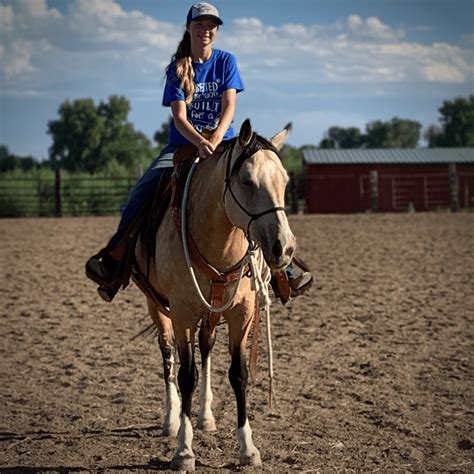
(236, 199)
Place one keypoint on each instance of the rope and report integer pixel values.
(261, 279)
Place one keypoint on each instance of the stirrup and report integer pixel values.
(107, 294)
(301, 284)
(98, 272)
(95, 270)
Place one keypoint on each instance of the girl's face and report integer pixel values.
(203, 31)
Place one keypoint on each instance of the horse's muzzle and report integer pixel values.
(279, 254)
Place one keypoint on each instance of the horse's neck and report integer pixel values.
(220, 243)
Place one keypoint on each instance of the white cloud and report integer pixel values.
(103, 23)
(356, 50)
(37, 40)
(15, 60)
(371, 29)
(98, 41)
(6, 18)
(443, 73)
(249, 23)
(35, 8)
(25, 28)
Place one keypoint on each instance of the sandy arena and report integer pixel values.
(373, 367)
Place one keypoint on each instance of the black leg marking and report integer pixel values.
(238, 376)
(187, 379)
(207, 340)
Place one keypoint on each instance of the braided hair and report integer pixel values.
(184, 66)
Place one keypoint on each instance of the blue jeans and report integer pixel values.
(140, 195)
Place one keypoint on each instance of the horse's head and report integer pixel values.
(255, 194)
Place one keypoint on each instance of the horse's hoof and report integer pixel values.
(206, 424)
(251, 459)
(185, 462)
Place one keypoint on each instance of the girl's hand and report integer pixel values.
(215, 139)
(205, 149)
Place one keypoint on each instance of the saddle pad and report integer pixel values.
(165, 161)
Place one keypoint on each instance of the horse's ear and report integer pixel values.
(279, 138)
(245, 134)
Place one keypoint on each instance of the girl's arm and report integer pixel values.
(178, 109)
(228, 100)
(205, 147)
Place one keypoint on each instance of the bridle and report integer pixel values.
(255, 144)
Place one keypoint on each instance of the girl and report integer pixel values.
(201, 87)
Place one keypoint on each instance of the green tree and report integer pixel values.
(9, 161)
(398, 133)
(434, 135)
(86, 137)
(339, 137)
(291, 159)
(161, 136)
(457, 124)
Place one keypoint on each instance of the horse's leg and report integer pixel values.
(166, 341)
(184, 458)
(238, 376)
(207, 339)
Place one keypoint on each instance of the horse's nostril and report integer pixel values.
(290, 251)
(277, 249)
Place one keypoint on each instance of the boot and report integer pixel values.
(289, 283)
(107, 294)
(299, 282)
(107, 273)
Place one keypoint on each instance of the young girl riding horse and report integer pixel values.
(202, 84)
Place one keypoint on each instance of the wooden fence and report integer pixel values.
(389, 192)
(418, 192)
(63, 195)
(69, 195)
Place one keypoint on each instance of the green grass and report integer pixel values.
(32, 193)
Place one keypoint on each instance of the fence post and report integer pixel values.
(374, 190)
(57, 192)
(453, 187)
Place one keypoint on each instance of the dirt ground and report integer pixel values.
(373, 367)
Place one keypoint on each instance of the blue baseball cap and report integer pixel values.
(203, 9)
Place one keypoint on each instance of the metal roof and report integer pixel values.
(388, 156)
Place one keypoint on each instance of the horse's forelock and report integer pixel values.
(256, 143)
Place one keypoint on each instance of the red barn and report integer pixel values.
(358, 180)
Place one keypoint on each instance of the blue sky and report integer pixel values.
(317, 63)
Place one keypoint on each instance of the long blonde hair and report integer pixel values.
(184, 66)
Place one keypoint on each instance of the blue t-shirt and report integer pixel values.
(212, 78)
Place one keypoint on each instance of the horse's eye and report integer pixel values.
(247, 182)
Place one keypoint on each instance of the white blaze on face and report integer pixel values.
(271, 230)
(259, 186)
